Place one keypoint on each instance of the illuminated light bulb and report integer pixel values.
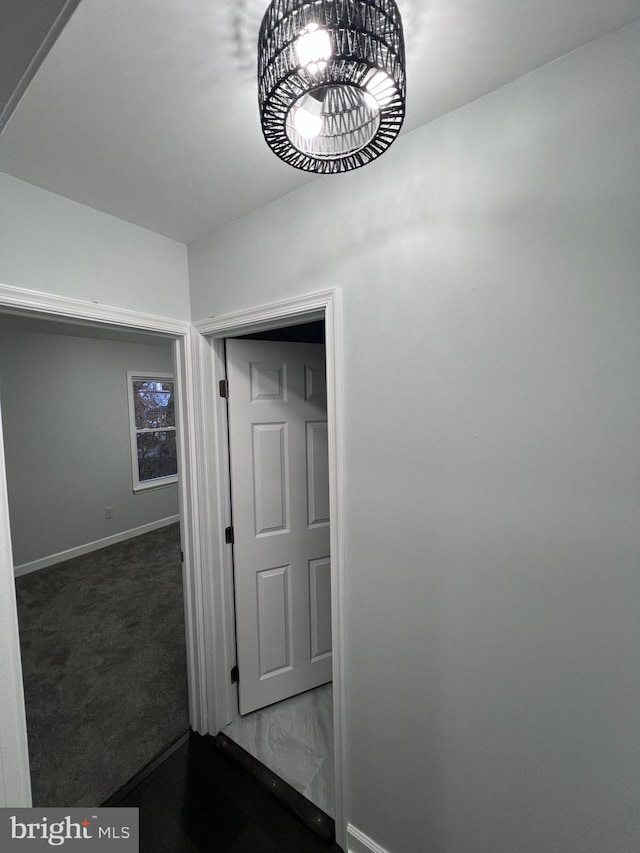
(307, 124)
(313, 48)
(316, 67)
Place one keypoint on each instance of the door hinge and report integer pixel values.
(182, 556)
(235, 675)
(224, 388)
(228, 536)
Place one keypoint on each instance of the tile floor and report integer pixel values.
(294, 738)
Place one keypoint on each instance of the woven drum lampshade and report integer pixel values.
(331, 81)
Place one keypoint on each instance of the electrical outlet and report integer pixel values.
(108, 513)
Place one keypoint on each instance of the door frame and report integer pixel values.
(215, 501)
(14, 759)
(15, 780)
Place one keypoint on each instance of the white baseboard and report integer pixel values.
(52, 559)
(358, 842)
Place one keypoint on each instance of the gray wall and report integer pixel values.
(489, 266)
(51, 244)
(67, 446)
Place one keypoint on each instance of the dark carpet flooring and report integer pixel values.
(104, 667)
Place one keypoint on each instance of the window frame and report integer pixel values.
(157, 482)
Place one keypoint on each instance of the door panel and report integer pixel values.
(274, 620)
(270, 486)
(280, 504)
(317, 473)
(320, 599)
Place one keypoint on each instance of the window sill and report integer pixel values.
(154, 484)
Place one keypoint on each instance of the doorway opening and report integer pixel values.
(214, 449)
(98, 571)
(277, 421)
(86, 321)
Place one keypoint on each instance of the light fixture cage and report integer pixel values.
(354, 84)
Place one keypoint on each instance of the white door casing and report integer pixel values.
(280, 503)
(14, 761)
(211, 455)
(15, 786)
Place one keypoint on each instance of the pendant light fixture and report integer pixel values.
(331, 81)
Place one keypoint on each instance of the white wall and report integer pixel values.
(67, 444)
(489, 264)
(51, 244)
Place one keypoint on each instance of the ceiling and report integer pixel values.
(146, 109)
(28, 29)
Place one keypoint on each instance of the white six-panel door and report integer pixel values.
(280, 505)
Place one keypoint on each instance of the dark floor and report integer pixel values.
(104, 666)
(200, 801)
